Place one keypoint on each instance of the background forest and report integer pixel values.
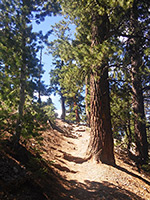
(101, 73)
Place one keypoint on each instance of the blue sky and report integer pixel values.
(45, 27)
(47, 59)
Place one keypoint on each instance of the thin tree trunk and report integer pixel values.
(39, 76)
(130, 136)
(137, 93)
(63, 115)
(139, 116)
(76, 110)
(22, 95)
(87, 92)
(17, 134)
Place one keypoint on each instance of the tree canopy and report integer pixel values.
(102, 70)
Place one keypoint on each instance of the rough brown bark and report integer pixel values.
(101, 146)
(101, 141)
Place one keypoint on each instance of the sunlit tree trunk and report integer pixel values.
(101, 141)
(101, 146)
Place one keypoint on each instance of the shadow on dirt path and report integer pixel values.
(92, 190)
(132, 174)
(61, 172)
(17, 183)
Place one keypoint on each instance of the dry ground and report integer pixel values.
(68, 175)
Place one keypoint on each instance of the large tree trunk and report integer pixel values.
(101, 146)
(101, 141)
(137, 93)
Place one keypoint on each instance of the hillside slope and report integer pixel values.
(62, 172)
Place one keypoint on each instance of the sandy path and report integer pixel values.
(87, 179)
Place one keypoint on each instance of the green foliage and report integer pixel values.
(55, 76)
(70, 80)
(64, 79)
(121, 110)
(49, 109)
(20, 70)
(75, 58)
(34, 119)
(146, 167)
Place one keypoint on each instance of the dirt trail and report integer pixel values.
(87, 180)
